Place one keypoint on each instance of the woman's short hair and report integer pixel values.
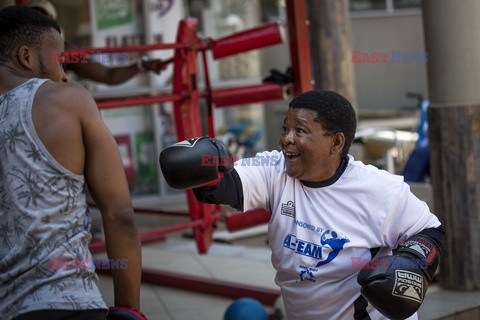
(334, 112)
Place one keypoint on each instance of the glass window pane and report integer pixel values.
(398, 4)
(359, 5)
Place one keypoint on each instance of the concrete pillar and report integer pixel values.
(331, 47)
(453, 44)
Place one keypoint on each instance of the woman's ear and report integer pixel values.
(26, 57)
(338, 142)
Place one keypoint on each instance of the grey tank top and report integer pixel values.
(44, 220)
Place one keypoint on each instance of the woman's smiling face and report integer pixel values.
(311, 153)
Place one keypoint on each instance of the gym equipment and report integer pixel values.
(186, 94)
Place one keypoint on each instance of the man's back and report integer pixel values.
(53, 145)
(44, 246)
(58, 110)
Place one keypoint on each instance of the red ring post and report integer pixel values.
(247, 40)
(187, 119)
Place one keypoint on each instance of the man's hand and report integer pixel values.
(155, 65)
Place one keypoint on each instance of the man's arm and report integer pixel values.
(112, 75)
(108, 186)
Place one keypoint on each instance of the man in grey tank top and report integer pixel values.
(54, 144)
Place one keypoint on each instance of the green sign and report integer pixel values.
(112, 13)
(146, 160)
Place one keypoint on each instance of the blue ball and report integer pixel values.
(245, 308)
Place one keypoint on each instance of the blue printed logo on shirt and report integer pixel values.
(329, 241)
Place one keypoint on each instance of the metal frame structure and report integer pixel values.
(186, 96)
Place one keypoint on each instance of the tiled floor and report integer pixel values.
(162, 303)
(449, 305)
(232, 263)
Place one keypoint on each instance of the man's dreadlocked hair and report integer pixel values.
(20, 25)
(334, 113)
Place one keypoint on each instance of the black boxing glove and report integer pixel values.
(195, 162)
(396, 285)
(124, 313)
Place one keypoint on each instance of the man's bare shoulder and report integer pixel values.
(69, 95)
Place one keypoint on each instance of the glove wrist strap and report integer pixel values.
(425, 250)
(135, 312)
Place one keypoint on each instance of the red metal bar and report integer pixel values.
(154, 234)
(221, 97)
(151, 211)
(215, 287)
(251, 39)
(136, 48)
(157, 234)
(299, 45)
(237, 221)
(135, 101)
(248, 94)
(209, 106)
(160, 212)
(208, 96)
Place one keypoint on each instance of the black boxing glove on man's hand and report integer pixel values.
(195, 162)
(396, 285)
(124, 313)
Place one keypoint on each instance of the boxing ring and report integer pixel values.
(186, 95)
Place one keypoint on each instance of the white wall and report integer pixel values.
(383, 85)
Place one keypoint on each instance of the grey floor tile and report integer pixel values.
(182, 305)
(440, 302)
(249, 272)
(171, 261)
